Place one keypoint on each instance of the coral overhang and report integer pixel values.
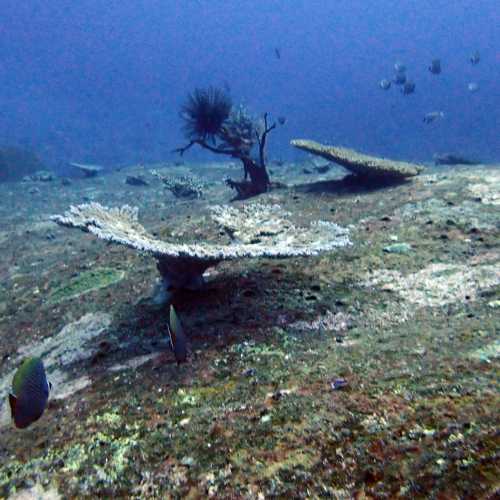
(360, 164)
(256, 230)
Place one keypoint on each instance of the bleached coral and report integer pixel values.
(252, 223)
(257, 231)
(438, 284)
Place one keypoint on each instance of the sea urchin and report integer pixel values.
(204, 113)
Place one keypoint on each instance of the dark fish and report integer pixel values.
(178, 339)
(475, 58)
(408, 88)
(277, 53)
(30, 393)
(338, 384)
(399, 68)
(135, 180)
(281, 120)
(384, 84)
(400, 78)
(433, 116)
(435, 67)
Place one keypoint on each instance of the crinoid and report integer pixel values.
(204, 113)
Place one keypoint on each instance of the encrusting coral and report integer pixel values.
(255, 230)
(360, 164)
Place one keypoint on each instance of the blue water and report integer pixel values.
(102, 81)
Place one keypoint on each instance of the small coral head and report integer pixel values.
(204, 113)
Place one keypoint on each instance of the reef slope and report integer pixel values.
(368, 371)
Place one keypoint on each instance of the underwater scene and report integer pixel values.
(250, 249)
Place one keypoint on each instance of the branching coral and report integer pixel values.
(181, 187)
(256, 230)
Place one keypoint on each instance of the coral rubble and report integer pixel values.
(256, 231)
(360, 164)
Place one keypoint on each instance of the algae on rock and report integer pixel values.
(85, 282)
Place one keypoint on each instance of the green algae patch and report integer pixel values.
(86, 282)
(399, 248)
(292, 459)
(194, 396)
(110, 420)
(104, 460)
(487, 352)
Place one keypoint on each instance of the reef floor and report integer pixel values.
(369, 372)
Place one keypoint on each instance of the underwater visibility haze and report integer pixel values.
(249, 249)
(102, 82)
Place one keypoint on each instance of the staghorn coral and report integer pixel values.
(360, 164)
(256, 231)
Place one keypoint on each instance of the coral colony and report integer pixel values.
(255, 230)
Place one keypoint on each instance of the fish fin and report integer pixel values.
(12, 403)
(171, 335)
(175, 323)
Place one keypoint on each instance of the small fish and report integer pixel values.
(473, 87)
(178, 339)
(475, 58)
(30, 393)
(249, 372)
(408, 88)
(277, 53)
(399, 68)
(400, 78)
(281, 120)
(435, 67)
(338, 384)
(433, 116)
(384, 84)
